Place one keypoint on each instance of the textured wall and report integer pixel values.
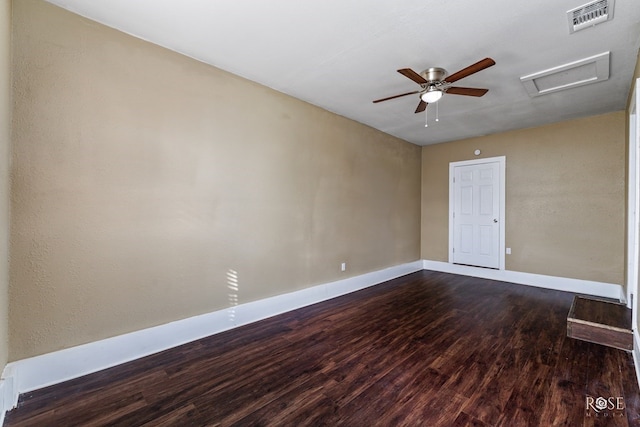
(565, 196)
(5, 137)
(141, 178)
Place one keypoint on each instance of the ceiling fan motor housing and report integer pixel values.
(434, 74)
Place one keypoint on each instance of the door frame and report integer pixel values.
(501, 160)
(633, 197)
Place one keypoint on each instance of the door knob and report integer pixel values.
(495, 220)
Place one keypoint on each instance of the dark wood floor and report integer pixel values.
(427, 349)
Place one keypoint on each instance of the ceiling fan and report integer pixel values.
(434, 83)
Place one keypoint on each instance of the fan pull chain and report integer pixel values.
(426, 118)
(437, 119)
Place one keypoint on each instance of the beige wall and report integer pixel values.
(5, 137)
(564, 196)
(142, 177)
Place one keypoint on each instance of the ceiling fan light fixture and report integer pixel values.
(434, 82)
(432, 95)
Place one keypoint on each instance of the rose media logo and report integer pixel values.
(605, 406)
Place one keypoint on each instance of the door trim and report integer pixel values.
(501, 160)
(633, 198)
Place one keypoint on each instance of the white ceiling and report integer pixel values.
(342, 54)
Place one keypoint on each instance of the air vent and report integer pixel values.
(590, 14)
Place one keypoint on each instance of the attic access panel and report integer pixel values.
(585, 71)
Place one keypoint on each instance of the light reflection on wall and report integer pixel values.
(233, 286)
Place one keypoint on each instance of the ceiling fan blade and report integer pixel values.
(468, 91)
(396, 96)
(408, 72)
(421, 106)
(471, 69)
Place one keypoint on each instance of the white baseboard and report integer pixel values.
(52, 368)
(8, 392)
(4, 407)
(623, 297)
(578, 286)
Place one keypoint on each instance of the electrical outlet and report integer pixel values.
(508, 251)
(343, 266)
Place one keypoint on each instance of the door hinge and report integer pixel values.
(453, 250)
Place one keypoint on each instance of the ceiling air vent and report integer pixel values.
(590, 14)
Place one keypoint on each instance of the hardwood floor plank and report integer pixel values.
(441, 409)
(187, 415)
(466, 420)
(400, 387)
(428, 348)
(489, 401)
(85, 399)
(565, 404)
(630, 389)
(529, 395)
(411, 400)
(94, 412)
(605, 364)
(299, 402)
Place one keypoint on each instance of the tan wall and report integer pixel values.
(5, 137)
(564, 196)
(142, 177)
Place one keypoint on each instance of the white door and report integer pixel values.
(476, 214)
